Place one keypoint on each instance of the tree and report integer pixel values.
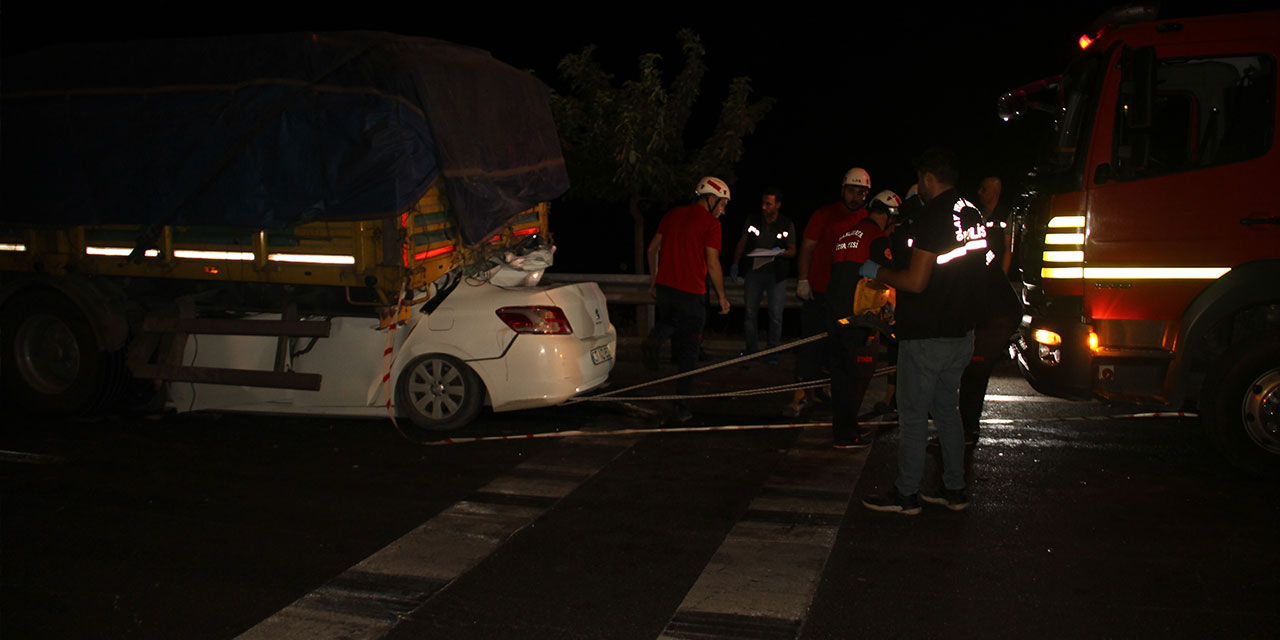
(627, 142)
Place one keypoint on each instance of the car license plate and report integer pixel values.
(601, 354)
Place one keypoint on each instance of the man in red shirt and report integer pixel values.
(684, 251)
(814, 272)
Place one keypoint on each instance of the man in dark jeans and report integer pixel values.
(938, 301)
(1001, 311)
(684, 251)
(767, 231)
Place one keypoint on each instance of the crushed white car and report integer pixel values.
(496, 339)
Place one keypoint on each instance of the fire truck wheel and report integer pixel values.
(51, 361)
(439, 392)
(1242, 412)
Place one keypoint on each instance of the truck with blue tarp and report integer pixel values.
(158, 189)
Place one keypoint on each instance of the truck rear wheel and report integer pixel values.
(1242, 407)
(51, 360)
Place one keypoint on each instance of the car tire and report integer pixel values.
(439, 393)
(51, 361)
(1241, 411)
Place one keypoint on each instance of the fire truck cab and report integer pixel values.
(1150, 245)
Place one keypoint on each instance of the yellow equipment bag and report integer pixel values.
(872, 296)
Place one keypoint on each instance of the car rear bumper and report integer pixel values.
(541, 370)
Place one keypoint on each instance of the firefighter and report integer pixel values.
(814, 272)
(900, 256)
(683, 252)
(853, 345)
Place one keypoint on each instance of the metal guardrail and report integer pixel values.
(623, 288)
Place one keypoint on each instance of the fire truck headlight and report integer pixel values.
(1047, 337)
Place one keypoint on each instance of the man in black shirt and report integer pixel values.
(765, 274)
(936, 313)
(1001, 311)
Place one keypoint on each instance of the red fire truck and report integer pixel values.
(1150, 246)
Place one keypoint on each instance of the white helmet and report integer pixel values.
(886, 200)
(711, 186)
(858, 178)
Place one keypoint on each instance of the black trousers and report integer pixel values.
(681, 317)
(852, 366)
(812, 358)
(990, 347)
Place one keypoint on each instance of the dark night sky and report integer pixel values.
(860, 85)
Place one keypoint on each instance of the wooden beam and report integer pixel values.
(236, 327)
(243, 377)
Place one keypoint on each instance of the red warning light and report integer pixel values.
(1085, 41)
(433, 253)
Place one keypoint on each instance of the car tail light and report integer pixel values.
(535, 320)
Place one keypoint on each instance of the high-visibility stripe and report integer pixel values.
(1135, 273)
(212, 255)
(1068, 273)
(1155, 273)
(1066, 222)
(1064, 256)
(192, 254)
(116, 251)
(433, 253)
(13, 247)
(1064, 238)
(959, 252)
(311, 258)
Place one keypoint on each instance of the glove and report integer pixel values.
(733, 271)
(869, 269)
(803, 291)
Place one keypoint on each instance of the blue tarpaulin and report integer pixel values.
(269, 131)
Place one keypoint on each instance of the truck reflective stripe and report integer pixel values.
(311, 258)
(439, 251)
(212, 255)
(306, 258)
(1066, 222)
(1155, 273)
(116, 251)
(1064, 238)
(1135, 273)
(1066, 273)
(1064, 256)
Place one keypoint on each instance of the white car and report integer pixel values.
(494, 341)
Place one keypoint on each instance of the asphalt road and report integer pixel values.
(206, 526)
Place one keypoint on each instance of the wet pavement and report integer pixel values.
(200, 526)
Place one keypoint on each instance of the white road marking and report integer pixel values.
(29, 458)
(997, 397)
(368, 600)
(761, 581)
